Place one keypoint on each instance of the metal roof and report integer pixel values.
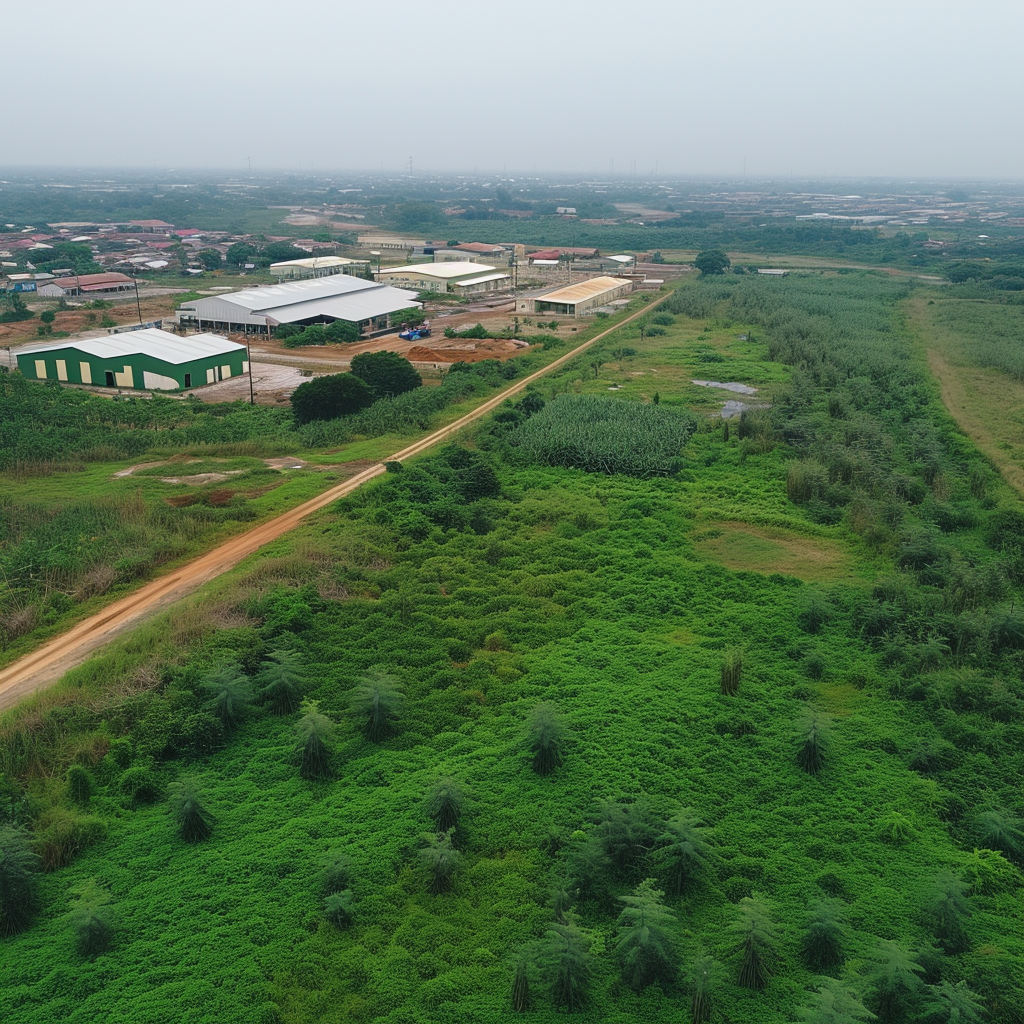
(276, 296)
(354, 308)
(479, 280)
(584, 290)
(440, 270)
(312, 262)
(150, 341)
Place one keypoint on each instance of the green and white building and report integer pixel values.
(145, 360)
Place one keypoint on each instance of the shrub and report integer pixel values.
(441, 860)
(313, 732)
(644, 943)
(279, 680)
(195, 823)
(375, 703)
(386, 373)
(445, 803)
(81, 785)
(90, 919)
(18, 869)
(546, 733)
(327, 398)
(756, 943)
(732, 671)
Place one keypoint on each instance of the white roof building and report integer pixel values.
(464, 277)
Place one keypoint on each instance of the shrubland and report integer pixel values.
(553, 755)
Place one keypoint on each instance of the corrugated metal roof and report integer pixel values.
(150, 341)
(278, 295)
(583, 290)
(312, 262)
(354, 307)
(440, 270)
(480, 280)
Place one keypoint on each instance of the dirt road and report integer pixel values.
(52, 660)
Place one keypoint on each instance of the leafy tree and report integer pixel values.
(331, 396)
(946, 1003)
(387, 373)
(312, 745)
(701, 978)
(81, 784)
(627, 832)
(833, 1003)
(712, 261)
(18, 868)
(280, 679)
(195, 823)
(442, 860)
(339, 908)
(949, 910)
(228, 691)
(240, 253)
(375, 704)
(893, 984)
(1002, 831)
(757, 940)
(522, 998)
(210, 259)
(473, 472)
(13, 308)
(340, 332)
(589, 867)
(546, 732)
(445, 803)
(681, 851)
(278, 252)
(822, 944)
(567, 955)
(90, 919)
(644, 943)
(813, 739)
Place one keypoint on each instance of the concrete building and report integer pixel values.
(318, 266)
(577, 299)
(148, 359)
(460, 278)
(462, 256)
(368, 304)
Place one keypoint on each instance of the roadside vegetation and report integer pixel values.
(514, 729)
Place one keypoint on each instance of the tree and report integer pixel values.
(312, 744)
(522, 999)
(546, 732)
(210, 259)
(644, 944)
(280, 679)
(999, 830)
(81, 784)
(442, 860)
(712, 261)
(337, 873)
(681, 851)
(567, 955)
(833, 1003)
(701, 978)
(813, 740)
(90, 919)
(756, 942)
(387, 373)
(953, 1004)
(327, 398)
(195, 823)
(229, 693)
(627, 832)
(240, 253)
(18, 869)
(47, 317)
(949, 910)
(732, 664)
(822, 945)
(445, 803)
(375, 703)
(893, 984)
(340, 332)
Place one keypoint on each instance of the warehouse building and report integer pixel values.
(148, 359)
(318, 266)
(577, 299)
(367, 304)
(460, 278)
(87, 284)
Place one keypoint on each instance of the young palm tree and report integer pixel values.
(313, 732)
(833, 1003)
(280, 680)
(949, 910)
(195, 823)
(953, 1004)
(680, 851)
(813, 738)
(445, 803)
(823, 940)
(375, 703)
(644, 943)
(568, 959)
(756, 942)
(18, 869)
(893, 984)
(442, 860)
(702, 976)
(228, 693)
(522, 998)
(339, 908)
(91, 919)
(546, 738)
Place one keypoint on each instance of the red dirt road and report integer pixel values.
(47, 664)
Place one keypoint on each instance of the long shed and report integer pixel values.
(148, 359)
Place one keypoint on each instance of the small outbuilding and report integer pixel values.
(149, 359)
(462, 278)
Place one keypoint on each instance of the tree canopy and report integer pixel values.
(712, 261)
(387, 373)
(327, 398)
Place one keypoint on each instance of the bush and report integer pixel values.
(327, 398)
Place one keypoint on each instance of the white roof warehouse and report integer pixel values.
(322, 300)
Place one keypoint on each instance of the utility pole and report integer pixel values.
(248, 357)
(138, 303)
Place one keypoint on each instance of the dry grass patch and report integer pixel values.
(768, 550)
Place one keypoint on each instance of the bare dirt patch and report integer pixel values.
(768, 550)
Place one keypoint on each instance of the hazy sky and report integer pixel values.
(922, 88)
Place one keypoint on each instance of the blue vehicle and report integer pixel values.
(415, 333)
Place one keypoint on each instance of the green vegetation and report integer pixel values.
(387, 373)
(329, 397)
(775, 791)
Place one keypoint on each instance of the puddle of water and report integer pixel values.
(739, 389)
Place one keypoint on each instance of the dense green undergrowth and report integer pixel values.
(821, 779)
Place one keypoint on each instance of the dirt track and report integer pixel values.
(53, 659)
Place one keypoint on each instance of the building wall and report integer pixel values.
(139, 371)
